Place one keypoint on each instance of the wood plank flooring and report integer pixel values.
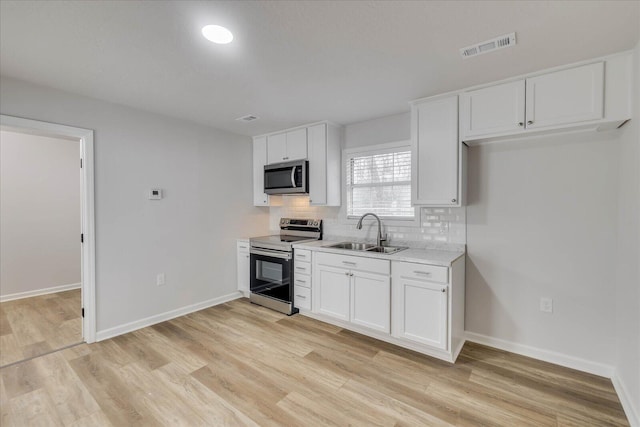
(34, 326)
(238, 364)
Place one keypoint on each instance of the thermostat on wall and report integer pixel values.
(155, 194)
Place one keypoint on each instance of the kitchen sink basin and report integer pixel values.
(387, 249)
(355, 246)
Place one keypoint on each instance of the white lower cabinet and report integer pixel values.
(411, 304)
(331, 292)
(420, 312)
(370, 301)
(344, 292)
(302, 279)
(243, 266)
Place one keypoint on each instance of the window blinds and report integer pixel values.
(380, 183)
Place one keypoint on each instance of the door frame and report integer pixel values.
(87, 207)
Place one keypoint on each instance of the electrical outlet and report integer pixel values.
(546, 305)
(160, 279)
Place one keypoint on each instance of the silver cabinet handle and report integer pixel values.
(301, 296)
(346, 273)
(300, 281)
(300, 268)
(351, 274)
(301, 256)
(348, 262)
(530, 122)
(520, 124)
(444, 290)
(426, 273)
(454, 200)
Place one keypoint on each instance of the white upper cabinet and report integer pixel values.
(435, 160)
(324, 165)
(297, 144)
(569, 96)
(287, 146)
(492, 110)
(592, 96)
(259, 160)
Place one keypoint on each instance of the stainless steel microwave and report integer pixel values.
(287, 178)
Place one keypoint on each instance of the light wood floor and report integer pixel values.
(240, 364)
(34, 326)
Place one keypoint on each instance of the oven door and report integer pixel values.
(271, 279)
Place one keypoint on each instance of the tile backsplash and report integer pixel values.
(441, 228)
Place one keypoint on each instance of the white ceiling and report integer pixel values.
(294, 62)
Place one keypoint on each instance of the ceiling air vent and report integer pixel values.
(248, 118)
(501, 42)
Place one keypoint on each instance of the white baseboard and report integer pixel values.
(152, 320)
(561, 359)
(631, 411)
(37, 292)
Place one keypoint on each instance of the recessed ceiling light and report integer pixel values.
(217, 34)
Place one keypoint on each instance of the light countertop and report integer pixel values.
(421, 256)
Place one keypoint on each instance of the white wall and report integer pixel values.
(541, 222)
(189, 235)
(39, 212)
(627, 308)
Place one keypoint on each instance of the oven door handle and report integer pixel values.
(281, 255)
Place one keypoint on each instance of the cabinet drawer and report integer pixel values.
(302, 255)
(302, 280)
(425, 272)
(301, 267)
(302, 297)
(370, 265)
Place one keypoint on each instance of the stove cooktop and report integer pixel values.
(291, 231)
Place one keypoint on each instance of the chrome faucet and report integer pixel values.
(381, 239)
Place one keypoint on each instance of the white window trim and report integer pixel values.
(347, 153)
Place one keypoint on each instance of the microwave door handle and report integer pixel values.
(293, 177)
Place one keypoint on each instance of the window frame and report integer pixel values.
(349, 153)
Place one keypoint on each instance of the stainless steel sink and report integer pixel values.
(355, 246)
(387, 249)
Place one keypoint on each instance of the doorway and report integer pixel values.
(47, 294)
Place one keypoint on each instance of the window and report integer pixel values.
(378, 180)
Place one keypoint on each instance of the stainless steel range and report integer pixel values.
(272, 263)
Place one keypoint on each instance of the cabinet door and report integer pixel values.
(318, 164)
(434, 157)
(371, 301)
(331, 292)
(244, 266)
(568, 96)
(492, 110)
(297, 144)
(277, 148)
(420, 312)
(259, 160)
